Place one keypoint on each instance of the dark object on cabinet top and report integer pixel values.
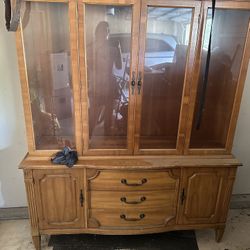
(66, 157)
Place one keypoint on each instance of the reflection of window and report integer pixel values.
(152, 45)
(207, 33)
(155, 45)
(187, 33)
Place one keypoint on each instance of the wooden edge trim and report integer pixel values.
(173, 3)
(25, 89)
(134, 50)
(32, 206)
(83, 77)
(158, 152)
(239, 91)
(190, 61)
(48, 1)
(86, 198)
(131, 231)
(195, 79)
(72, 13)
(207, 151)
(109, 2)
(228, 4)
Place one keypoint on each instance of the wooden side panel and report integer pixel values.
(58, 196)
(202, 195)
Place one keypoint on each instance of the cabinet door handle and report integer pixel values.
(123, 216)
(81, 198)
(124, 199)
(143, 181)
(139, 83)
(183, 197)
(133, 82)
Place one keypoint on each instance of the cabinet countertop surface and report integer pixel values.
(134, 162)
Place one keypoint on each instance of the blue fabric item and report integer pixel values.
(66, 157)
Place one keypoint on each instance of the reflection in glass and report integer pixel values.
(47, 53)
(228, 39)
(108, 39)
(168, 33)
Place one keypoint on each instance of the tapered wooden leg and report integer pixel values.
(219, 233)
(37, 242)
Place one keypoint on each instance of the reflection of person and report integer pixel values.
(106, 89)
(45, 124)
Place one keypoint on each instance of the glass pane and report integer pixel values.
(47, 52)
(228, 39)
(108, 46)
(168, 33)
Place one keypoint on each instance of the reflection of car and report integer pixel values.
(160, 49)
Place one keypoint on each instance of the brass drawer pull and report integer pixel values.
(143, 181)
(123, 216)
(124, 199)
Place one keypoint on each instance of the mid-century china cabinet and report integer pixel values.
(122, 82)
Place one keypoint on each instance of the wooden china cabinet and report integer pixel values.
(122, 82)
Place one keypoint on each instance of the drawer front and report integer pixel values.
(133, 180)
(136, 199)
(131, 218)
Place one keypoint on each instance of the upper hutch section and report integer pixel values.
(127, 77)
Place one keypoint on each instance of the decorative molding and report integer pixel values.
(175, 173)
(29, 184)
(92, 173)
(93, 223)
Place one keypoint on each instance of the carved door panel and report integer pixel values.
(201, 195)
(59, 198)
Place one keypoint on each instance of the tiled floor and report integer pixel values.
(15, 234)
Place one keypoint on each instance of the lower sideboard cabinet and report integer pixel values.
(136, 201)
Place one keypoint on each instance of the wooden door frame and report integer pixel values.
(223, 193)
(78, 176)
(83, 75)
(239, 89)
(196, 6)
(72, 18)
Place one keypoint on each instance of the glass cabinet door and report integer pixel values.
(110, 50)
(213, 111)
(46, 43)
(165, 43)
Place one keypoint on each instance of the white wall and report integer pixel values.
(241, 147)
(13, 144)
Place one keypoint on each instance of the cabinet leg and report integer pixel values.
(37, 242)
(219, 233)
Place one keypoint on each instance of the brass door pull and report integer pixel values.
(133, 82)
(143, 181)
(81, 198)
(183, 197)
(124, 199)
(123, 216)
(139, 83)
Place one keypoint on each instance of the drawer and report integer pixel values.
(135, 199)
(133, 180)
(131, 218)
